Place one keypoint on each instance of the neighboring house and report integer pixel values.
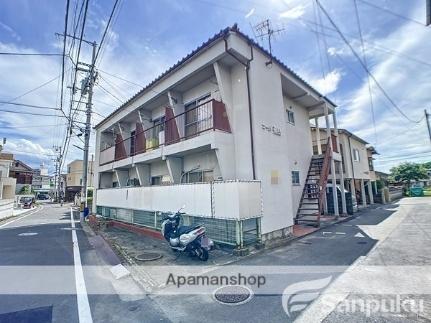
(7, 185)
(74, 177)
(23, 174)
(225, 131)
(357, 165)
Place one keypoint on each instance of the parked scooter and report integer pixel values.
(186, 238)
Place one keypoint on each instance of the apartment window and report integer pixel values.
(69, 169)
(295, 178)
(204, 176)
(133, 182)
(290, 116)
(356, 155)
(370, 163)
(156, 180)
(80, 181)
(195, 118)
(132, 142)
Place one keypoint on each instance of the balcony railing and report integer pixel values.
(324, 142)
(210, 115)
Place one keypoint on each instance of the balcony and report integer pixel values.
(210, 115)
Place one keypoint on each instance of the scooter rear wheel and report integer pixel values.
(203, 254)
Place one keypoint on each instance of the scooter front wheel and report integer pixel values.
(202, 254)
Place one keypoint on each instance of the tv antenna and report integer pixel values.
(263, 30)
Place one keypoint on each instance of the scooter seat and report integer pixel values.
(186, 229)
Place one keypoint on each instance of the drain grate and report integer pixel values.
(233, 295)
(361, 242)
(148, 256)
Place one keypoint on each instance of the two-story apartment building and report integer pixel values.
(225, 131)
(356, 165)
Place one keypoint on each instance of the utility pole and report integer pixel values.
(427, 119)
(88, 84)
(428, 12)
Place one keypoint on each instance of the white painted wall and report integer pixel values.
(205, 160)
(209, 86)
(299, 140)
(233, 200)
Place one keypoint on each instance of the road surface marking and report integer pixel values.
(340, 232)
(84, 312)
(359, 235)
(326, 232)
(24, 234)
(22, 217)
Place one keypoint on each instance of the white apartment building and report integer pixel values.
(356, 165)
(226, 132)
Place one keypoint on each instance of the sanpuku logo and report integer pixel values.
(298, 295)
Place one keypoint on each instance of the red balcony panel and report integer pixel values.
(334, 143)
(140, 139)
(171, 130)
(221, 120)
(120, 149)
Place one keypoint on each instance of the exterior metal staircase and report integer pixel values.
(312, 198)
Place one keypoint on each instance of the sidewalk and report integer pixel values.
(401, 259)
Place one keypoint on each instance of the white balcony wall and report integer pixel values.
(107, 155)
(225, 200)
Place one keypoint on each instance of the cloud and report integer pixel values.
(11, 31)
(408, 83)
(294, 13)
(250, 13)
(326, 85)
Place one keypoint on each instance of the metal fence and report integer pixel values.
(236, 233)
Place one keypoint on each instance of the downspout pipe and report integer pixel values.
(247, 69)
(351, 163)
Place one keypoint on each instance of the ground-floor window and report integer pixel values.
(203, 176)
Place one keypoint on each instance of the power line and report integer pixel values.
(107, 92)
(116, 88)
(29, 113)
(366, 64)
(121, 78)
(363, 65)
(28, 105)
(30, 54)
(392, 12)
(25, 127)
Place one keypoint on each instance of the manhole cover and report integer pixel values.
(148, 256)
(133, 308)
(25, 234)
(233, 295)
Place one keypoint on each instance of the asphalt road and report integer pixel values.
(51, 272)
(39, 276)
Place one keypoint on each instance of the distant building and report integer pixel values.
(41, 180)
(74, 178)
(23, 174)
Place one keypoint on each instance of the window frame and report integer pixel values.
(294, 177)
(356, 155)
(290, 116)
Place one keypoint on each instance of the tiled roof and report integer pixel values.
(222, 33)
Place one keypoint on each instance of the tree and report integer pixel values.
(407, 172)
